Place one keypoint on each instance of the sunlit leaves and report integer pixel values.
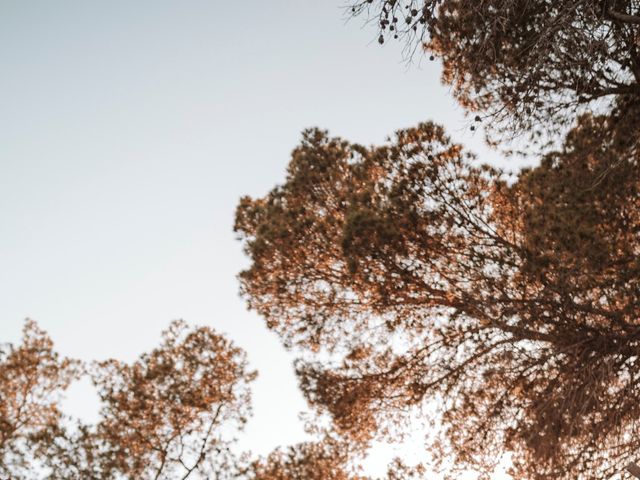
(531, 66)
(405, 276)
(32, 379)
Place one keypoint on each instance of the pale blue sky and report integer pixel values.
(128, 132)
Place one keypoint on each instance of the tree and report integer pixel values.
(172, 414)
(326, 459)
(406, 276)
(528, 65)
(32, 377)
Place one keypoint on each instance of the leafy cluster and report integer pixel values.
(172, 414)
(168, 415)
(32, 377)
(529, 65)
(500, 310)
(426, 278)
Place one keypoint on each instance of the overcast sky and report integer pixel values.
(128, 132)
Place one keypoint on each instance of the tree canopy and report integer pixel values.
(171, 414)
(174, 413)
(32, 379)
(509, 303)
(528, 65)
(173, 410)
(328, 458)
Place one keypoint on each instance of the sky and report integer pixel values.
(128, 133)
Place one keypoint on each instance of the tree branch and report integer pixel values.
(633, 469)
(622, 17)
(204, 444)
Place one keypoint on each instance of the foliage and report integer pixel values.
(32, 377)
(306, 461)
(529, 65)
(171, 414)
(166, 414)
(426, 279)
(327, 459)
